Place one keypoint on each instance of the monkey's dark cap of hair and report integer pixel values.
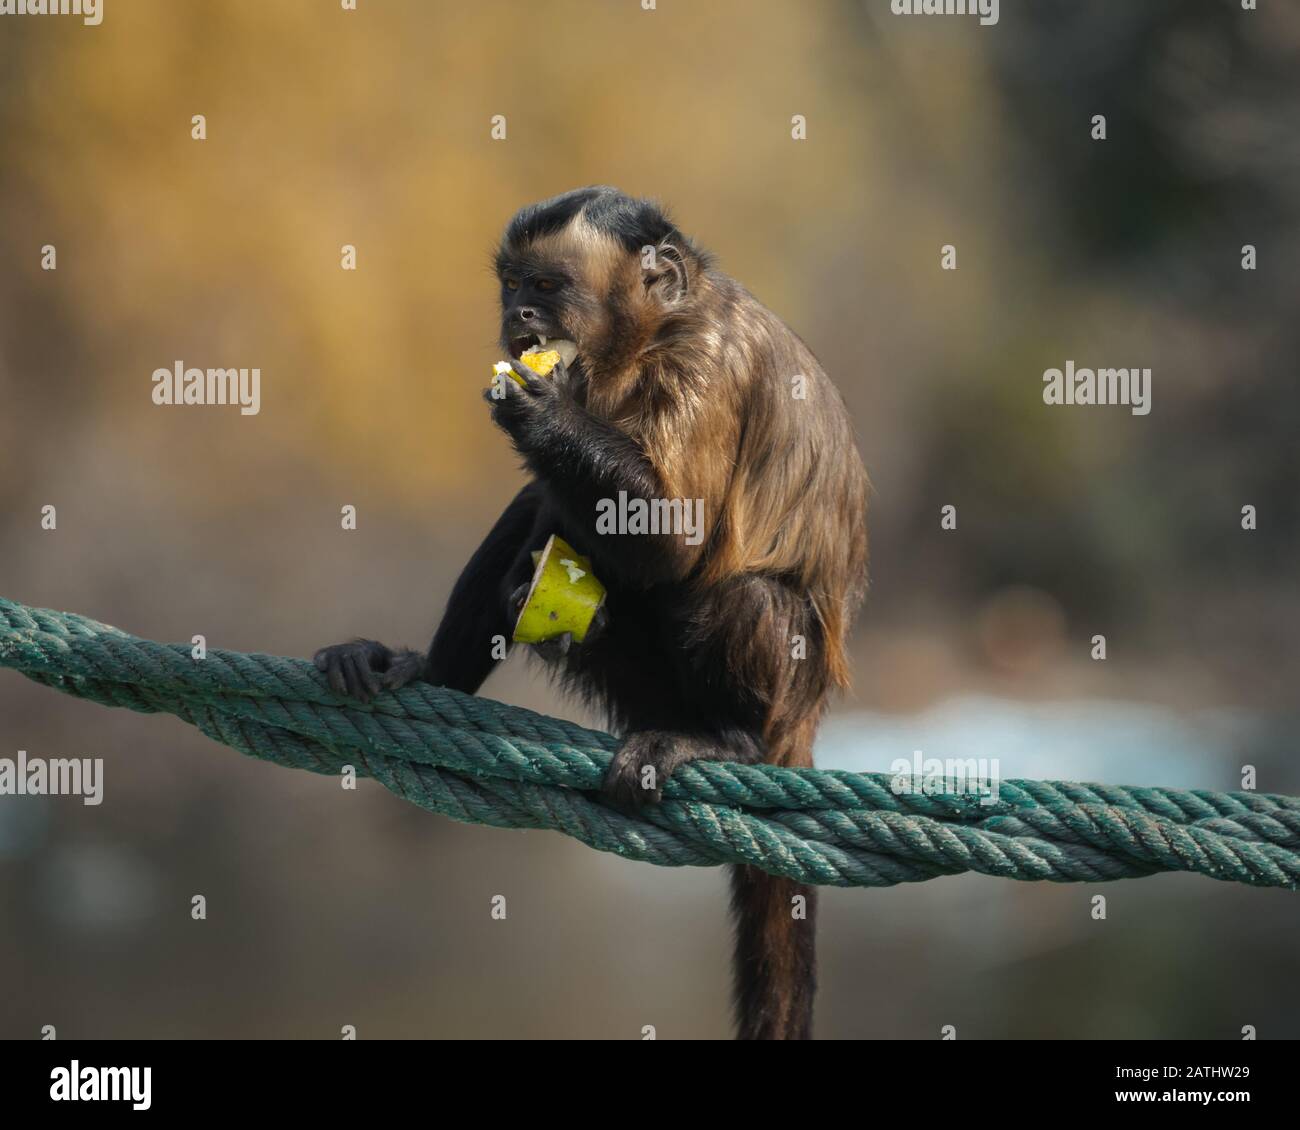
(633, 222)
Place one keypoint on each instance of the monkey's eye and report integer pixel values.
(546, 285)
(510, 284)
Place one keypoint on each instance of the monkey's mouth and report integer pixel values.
(565, 348)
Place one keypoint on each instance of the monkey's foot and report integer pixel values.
(644, 762)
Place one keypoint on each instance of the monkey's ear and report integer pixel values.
(666, 274)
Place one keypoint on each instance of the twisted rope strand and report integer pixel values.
(483, 762)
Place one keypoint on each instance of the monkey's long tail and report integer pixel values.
(775, 961)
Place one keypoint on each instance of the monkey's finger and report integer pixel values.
(622, 785)
(348, 675)
(533, 384)
(557, 647)
(628, 794)
(503, 406)
(498, 392)
(619, 786)
(367, 682)
(355, 683)
(334, 670)
(369, 675)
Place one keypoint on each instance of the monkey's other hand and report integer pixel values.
(360, 669)
(643, 763)
(555, 649)
(548, 650)
(525, 412)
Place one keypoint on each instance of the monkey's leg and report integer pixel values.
(775, 967)
(462, 653)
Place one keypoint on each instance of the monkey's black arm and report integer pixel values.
(585, 460)
(462, 655)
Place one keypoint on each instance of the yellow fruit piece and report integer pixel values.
(541, 361)
(564, 596)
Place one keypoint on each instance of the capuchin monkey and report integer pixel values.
(678, 384)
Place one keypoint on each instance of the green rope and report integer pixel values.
(483, 762)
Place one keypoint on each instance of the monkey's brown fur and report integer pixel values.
(684, 387)
(707, 387)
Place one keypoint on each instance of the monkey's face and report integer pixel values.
(575, 290)
(536, 306)
(549, 299)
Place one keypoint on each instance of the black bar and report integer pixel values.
(367, 1077)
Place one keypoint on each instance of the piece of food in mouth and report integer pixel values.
(565, 595)
(541, 358)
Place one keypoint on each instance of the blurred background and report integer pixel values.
(372, 128)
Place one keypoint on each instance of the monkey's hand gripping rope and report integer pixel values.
(487, 763)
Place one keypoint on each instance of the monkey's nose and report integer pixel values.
(526, 313)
